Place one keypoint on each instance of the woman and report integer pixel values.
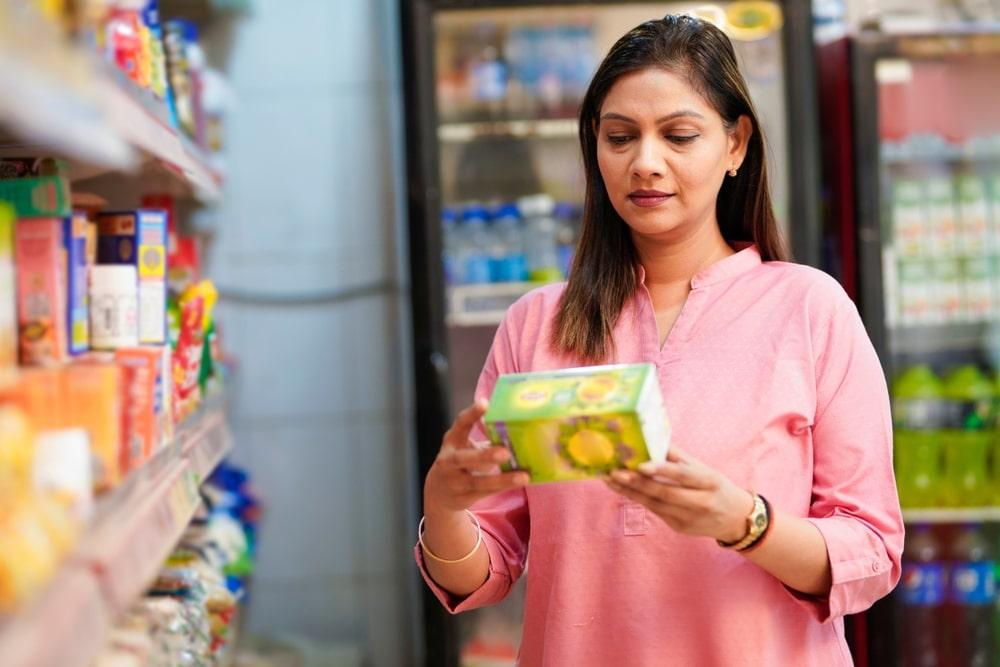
(781, 454)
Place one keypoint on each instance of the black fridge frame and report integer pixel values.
(428, 305)
(864, 51)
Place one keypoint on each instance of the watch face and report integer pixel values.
(760, 520)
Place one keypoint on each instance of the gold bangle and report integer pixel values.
(428, 552)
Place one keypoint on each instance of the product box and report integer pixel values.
(41, 290)
(8, 297)
(77, 302)
(140, 238)
(93, 399)
(39, 197)
(579, 423)
(141, 369)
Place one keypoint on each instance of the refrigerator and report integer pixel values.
(911, 154)
(491, 92)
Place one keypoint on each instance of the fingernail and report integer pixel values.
(500, 456)
(621, 476)
(648, 467)
(523, 480)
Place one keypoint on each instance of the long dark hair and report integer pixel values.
(603, 276)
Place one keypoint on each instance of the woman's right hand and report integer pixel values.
(463, 473)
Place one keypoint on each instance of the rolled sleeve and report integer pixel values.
(503, 517)
(504, 522)
(854, 505)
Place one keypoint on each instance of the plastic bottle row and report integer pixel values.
(941, 210)
(492, 71)
(947, 453)
(949, 609)
(532, 239)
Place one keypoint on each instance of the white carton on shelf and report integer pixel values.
(973, 216)
(947, 303)
(909, 219)
(942, 217)
(977, 281)
(914, 292)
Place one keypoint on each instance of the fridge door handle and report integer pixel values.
(439, 363)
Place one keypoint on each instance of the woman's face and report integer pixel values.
(663, 152)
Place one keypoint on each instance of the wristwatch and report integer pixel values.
(758, 521)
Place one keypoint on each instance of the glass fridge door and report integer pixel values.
(939, 177)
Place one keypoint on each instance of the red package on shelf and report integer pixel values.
(140, 372)
(187, 355)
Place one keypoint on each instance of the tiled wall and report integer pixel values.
(320, 409)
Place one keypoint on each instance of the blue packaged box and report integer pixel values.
(140, 238)
(77, 301)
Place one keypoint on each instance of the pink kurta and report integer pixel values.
(768, 376)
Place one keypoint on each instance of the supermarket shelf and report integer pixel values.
(205, 11)
(930, 338)
(133, 530)
(62, 100)
(955, 515)
(65, 626)
(483, 305)
(557, 128)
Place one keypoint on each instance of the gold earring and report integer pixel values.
(732, 172)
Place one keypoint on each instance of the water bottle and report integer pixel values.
(922, 598)
(451, 246)
(540, 238)
(508, 261)
(971, 589)
(475, 245)
(488, 72)
(566, 229)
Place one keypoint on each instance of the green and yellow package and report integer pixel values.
(579, 423)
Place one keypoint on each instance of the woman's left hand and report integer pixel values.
(688, 496)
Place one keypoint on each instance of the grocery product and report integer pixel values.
(141, 382)
(474, 242)
(541, 237)
(123, 40)
(910, 225)
(577, 423)
(114, 306)
(38, 196)
(508, 262)
(193, 310)
(916, 292)
(977, 283)
(62, 469)
(973, 216)
(967, 438)
(946, 297)
(919, 416)
(942, 216)
(93, 402)
(8, 297)
(971, 589)
(922, 596)
(77, 300)
(41, 290)
(17, 449)
(139, 238)
(567, 224)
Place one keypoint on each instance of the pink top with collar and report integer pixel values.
(769, 377)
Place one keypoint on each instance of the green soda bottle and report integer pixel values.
(918, 408)
(968, 438)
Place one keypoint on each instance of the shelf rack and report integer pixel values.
(62, 100)
(483, 304)
(952, 515)
(552, 128)
(133, 530)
